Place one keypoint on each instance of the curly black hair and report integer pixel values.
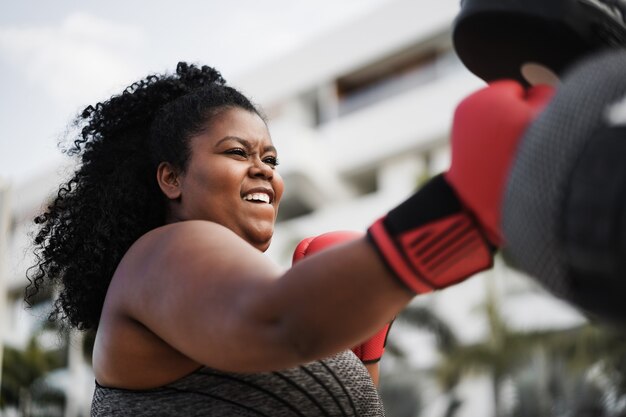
(113, 197)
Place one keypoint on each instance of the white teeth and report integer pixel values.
(257, 197)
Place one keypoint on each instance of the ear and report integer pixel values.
(168, 179)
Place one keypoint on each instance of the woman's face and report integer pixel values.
(231, 177)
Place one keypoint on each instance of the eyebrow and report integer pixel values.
(245, 143)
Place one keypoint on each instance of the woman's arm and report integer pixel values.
(222, 303)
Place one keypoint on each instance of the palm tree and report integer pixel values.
(554, 364)
(426, 319)
(577, 372)
(23, 385)
(26, 372)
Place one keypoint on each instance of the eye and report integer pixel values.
(271, 161)
(237, 151)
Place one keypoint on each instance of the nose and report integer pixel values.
(260, 169)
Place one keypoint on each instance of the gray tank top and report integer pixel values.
(337, 386)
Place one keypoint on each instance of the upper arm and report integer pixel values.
(188, 284)
(219, 301)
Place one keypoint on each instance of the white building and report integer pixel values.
(360, 116)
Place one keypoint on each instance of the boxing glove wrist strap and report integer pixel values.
(429, 241)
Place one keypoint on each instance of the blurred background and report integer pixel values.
(360, 96)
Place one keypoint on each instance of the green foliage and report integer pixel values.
(23, 372)
(574, 372)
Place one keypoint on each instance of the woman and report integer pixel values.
(157, 242)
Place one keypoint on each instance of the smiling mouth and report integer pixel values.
(260, 198)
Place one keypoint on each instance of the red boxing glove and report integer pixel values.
(313, 244)
(486, 130)
(372, 349)
(447, 230)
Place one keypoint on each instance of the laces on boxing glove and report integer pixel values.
(430, 241)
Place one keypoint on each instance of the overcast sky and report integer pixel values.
(58, 56)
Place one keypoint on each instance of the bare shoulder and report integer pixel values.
(182, 235)
(184, 244)
(165, 289)
(145, 292)
(189, 256)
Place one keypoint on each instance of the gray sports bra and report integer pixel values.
(337, 386)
